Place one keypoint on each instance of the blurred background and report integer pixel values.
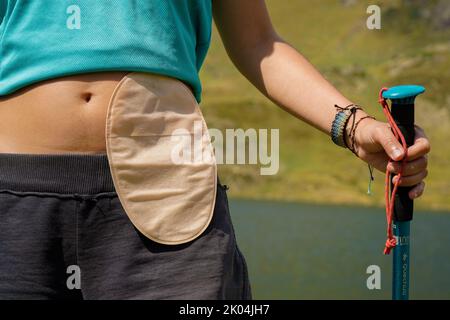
(311, 231)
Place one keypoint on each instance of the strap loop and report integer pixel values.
(389, 195)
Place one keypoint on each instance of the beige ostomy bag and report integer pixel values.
(154, 124)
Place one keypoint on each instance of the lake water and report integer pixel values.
(299, 251)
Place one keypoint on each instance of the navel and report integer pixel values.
(87, 96)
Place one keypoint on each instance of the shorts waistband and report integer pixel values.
(56, 173)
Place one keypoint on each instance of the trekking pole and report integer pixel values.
(402, 113)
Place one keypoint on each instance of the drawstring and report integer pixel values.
(78, 199)
(371, 179)
(95, 200)
(389, 194)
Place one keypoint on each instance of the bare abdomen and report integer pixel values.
(64, 115)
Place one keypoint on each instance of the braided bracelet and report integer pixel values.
(340, 123)
(338, 130)
(352, 133)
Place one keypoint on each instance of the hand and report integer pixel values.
(376, 144)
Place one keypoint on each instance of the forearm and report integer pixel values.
(288, 79)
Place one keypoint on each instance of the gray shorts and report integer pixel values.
(65, 235)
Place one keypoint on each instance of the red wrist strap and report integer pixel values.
(389, 195)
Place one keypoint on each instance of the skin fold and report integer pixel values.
(67, 115)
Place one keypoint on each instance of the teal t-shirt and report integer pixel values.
(44, 39)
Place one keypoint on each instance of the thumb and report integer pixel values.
(390, 144)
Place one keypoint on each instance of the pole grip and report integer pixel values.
(403, 115)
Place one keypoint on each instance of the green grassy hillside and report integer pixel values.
(413, 46)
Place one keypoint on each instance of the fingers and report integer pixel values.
(411, 180)
(421, 145)
(415, 169)
(411, 167)
(394, 149)
(417, 191)
(385, 137)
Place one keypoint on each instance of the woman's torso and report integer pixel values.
(63, 115)
(52, 39)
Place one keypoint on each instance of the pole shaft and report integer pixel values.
(400, 276)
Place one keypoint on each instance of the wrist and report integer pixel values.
(340, 122)
(348, 128)
(355, 128)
